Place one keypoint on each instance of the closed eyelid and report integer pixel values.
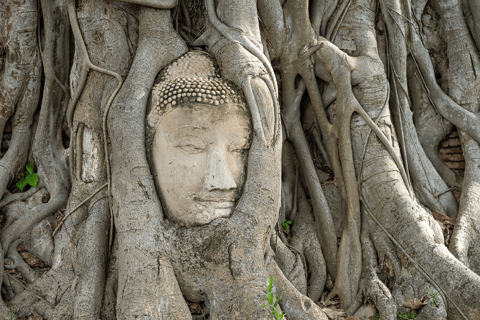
(188, 140)
(242, 141)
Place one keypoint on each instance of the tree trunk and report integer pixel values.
(352, 190)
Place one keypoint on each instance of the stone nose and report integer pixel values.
(219, 176)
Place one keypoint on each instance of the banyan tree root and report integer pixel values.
(430, 126)
(296, 305)
(368, 167)
(131, 176)
(428, 185)
(292, 59)
(407, 213)
(301, 260)
(19, 84)
(86, 232)
(463, 88)
(242, 60)
(370, 286)
(47, 149)
(305, 241)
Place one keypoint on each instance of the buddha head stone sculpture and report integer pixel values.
(198, 137)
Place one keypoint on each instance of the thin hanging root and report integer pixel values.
(326, 128)
(414, 263)
(38, 296)
(71, 108)
(87, 66)
(334, 34)
(318, 140)
(30, 218)
(386, 143)
(292, 214)
(238, 36)
(368, 137)
(324, 223)
(76, 208)
(186, 15)
(334, 19)
(257, 121)
(10, 198)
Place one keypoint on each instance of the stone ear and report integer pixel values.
(263, 108)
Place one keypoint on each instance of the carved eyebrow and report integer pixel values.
(185, 130)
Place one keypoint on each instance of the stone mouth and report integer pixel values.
(230, 197)
(217, 204)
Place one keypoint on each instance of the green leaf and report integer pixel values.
(281, 316)
(32, 179)
(270, 285)
(265, 305)
(275, 313)
(278, 299)
(270, 299)
(29, 168)
(22, 184)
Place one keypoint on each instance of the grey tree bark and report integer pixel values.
(347, 195)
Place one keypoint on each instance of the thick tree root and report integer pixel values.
(371, 287)
(131, 175)
(430, 126)
(466, 234)
(293, 303)
(19, 84)
(305, 240)
(464, 86)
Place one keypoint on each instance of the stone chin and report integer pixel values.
(210, 213)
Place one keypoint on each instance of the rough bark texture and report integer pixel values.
(362, 182)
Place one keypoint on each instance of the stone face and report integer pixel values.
(200, 155)
(199, 145)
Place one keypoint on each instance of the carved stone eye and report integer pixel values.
(191, 144)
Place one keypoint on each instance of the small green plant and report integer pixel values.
(269, 297)
(11, 317)
(30, 178)
(286, 224)
(376, 317)
(434, 296)
(407, 315)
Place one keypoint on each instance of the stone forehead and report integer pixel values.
(193, 78)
